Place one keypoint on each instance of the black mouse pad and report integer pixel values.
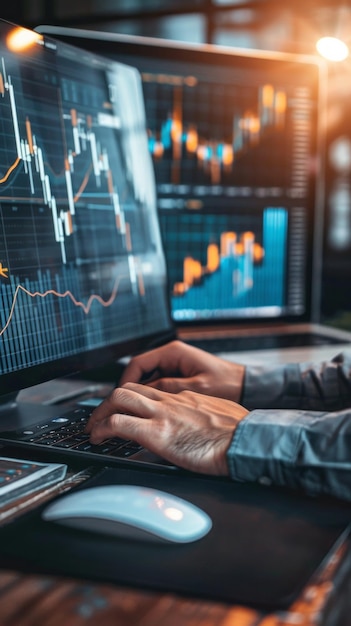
(264, 545)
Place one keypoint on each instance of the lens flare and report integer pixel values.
(20, 39)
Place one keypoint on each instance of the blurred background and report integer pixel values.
(293, 26)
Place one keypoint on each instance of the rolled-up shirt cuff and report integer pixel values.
(265, 447)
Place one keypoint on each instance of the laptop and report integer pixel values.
(82, 268)
(237, 151)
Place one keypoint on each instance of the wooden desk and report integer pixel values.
(28, 600)
(41, 600)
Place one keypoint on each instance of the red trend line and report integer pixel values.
(67, 294)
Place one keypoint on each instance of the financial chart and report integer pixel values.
(232, 142)
(81, 264)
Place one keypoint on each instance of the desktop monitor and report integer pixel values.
(82, 269)
(236, 148)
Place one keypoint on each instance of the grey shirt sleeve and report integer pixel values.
(298, 433)
(306, 386)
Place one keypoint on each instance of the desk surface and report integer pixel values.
(50, 601)
(28, 599)
(277, 356)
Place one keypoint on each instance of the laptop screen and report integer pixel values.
(82, 270)
(234, 141)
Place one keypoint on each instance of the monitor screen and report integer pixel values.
(82, 270)
(234, 141)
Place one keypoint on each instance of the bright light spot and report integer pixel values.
(332, 49)
(21, 38)
(174, 514)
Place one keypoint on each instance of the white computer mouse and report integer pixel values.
(131, 511)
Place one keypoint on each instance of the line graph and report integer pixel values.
(67, 294)
(43, 318)
(10, 170)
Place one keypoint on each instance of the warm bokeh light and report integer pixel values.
(332, 49)
(20, 39)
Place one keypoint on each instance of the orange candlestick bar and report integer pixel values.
(192, 140)
(74, 117)
(192, 271)
(69, 223)
(177, 124)
(258, 253)
(179, 289)
(212, 257)
(228, 241)
(248, 239)
(29, 136)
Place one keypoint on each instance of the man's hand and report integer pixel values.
(177, 366)
(188, 429)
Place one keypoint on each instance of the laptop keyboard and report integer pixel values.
(67, 433)
(263, 342)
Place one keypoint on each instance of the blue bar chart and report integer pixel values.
(245, 276)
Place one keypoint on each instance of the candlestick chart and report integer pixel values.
(203, 132)
(78, 242)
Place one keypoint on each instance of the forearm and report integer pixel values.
(298, 449)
